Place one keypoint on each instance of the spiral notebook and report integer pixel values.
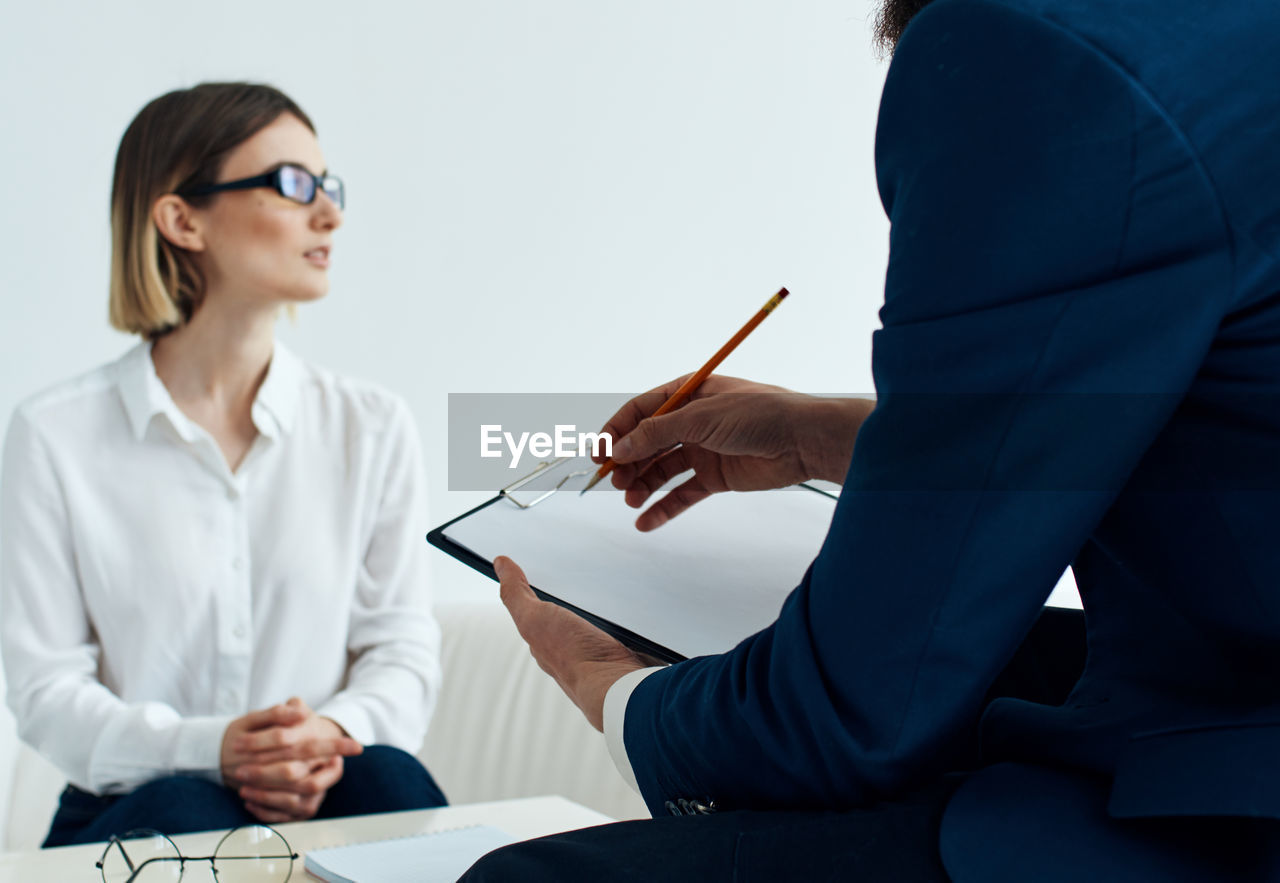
(423, 858)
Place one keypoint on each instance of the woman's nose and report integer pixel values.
(325, 214)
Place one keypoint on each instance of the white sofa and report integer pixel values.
(502, 729)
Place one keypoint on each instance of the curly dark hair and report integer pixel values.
(893, 18)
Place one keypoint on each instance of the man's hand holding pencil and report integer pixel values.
(734, 435)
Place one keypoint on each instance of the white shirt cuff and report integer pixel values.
(198, 748)
(615, 716)
(349, 715)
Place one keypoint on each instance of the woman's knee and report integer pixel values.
(179, 804)
(182, 790)
(387, 764)
(382, 779)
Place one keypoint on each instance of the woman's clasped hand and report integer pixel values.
(282, 760)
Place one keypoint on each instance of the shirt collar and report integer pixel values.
(145, 396)
(277, 403)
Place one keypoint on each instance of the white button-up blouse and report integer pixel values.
(148, 595)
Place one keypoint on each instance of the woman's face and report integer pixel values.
(259, 246)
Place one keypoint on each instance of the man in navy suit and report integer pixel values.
(1079, 365)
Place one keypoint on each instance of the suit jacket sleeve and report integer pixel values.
(1058, 267)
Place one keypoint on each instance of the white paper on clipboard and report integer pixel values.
(698, 585)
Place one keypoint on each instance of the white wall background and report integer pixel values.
(558, 196)
(551, 196)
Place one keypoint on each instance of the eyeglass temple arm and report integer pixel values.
(193, 858)
(246, 184)
(115, 841)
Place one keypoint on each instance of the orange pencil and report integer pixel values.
(686, 389)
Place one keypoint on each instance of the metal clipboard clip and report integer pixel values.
(543, 471)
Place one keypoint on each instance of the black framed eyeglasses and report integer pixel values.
(290, 180)
(248, 854)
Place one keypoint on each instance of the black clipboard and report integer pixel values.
(529, 485)
(636, 642)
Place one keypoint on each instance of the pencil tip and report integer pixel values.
(782, 293)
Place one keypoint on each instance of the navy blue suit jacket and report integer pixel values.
(1079, 364)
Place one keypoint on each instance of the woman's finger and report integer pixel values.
(322, 778)
(266, 814)
(275, 716)
(305, 749)
(279, 801)
(273, 776)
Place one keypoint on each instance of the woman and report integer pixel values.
(214, 585)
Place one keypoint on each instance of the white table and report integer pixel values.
(522, 819)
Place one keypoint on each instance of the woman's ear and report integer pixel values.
(177, 222)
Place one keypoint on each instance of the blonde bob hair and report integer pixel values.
(178, 141)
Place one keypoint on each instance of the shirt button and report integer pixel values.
(239, 631)
(237, 562)
(232, 494)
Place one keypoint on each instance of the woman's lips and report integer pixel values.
(319, 257)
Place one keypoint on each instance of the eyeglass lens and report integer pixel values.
(300, 185)
(333, 189)
(297, 184)
(253, 854)
(142, 857)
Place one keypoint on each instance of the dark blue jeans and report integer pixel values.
(382, 779)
